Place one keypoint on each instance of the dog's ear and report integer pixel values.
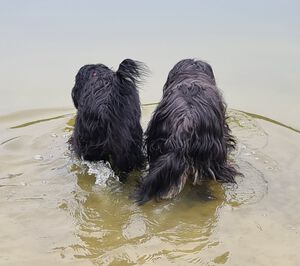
(75, 96)
(81, 78)
(79, 82)
(132, 70)
(209, 71)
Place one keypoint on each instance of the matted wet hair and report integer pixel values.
(187, 137)
(107, 125)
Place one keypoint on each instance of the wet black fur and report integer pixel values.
(187, 134)
(107, 125)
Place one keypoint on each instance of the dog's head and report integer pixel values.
(85, 74)
(128, 75)
(189, 68)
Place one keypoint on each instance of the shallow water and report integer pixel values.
(56, 209)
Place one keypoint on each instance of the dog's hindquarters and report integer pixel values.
(126, 147)
(168, 140)
(127, 143)
(166, 178)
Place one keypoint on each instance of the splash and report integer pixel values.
(102, 171)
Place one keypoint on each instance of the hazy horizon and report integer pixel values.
(253, 48)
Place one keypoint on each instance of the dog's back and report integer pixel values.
(108, 119)
(187, 135)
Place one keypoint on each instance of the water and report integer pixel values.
(58, 210)
(253, 47)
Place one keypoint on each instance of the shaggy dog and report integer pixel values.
(107, 124)
(188, 136)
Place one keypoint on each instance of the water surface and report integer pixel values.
(253, 47)
(56, 209)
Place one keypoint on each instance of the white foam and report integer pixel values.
(102, 171)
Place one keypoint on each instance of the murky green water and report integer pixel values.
(57, 210)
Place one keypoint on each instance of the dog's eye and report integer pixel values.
(94, 74)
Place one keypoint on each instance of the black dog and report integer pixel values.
(107, 124)
(188, 136)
